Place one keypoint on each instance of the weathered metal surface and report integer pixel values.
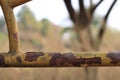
(45, 59)
(56, 59)
(15, 3)
(7, 7)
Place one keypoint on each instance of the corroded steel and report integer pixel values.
(46, 59)
(56, 59)
(7, 7)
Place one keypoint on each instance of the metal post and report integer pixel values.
(7, 7)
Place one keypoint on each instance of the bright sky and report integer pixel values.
(56, 12)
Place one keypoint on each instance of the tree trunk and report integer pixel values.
(85, 38)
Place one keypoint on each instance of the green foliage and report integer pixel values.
(44, 27)
(96, 21)
(67, 29)
(37, 43)
(45, 21)
(27, 21)
(2, 24)
(26, 17)
(3, 36)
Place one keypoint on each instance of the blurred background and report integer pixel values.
(46, 25)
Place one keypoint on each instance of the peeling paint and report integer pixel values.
(59, 59)
(18, 59)
(114, 56)
(68, 58)
(69, 55)
(33, 56)
(2, 60)
(16, 36)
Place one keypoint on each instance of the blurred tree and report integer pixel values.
(26, 18)
(82, 20)
(44, 27)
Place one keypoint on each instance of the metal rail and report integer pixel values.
(45, 59)
(56, 59)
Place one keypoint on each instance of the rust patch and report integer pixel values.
(32, 56)
(2, 62)
(69, 59)
(89, 61)
(18, 59)
(69, 55)
(16, 36)
(114, 56)
(57, 60)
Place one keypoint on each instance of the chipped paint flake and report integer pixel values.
(114, 56)
(18, 58)
(68, 58)
(2, 61)
(16, 36)
(33, 56)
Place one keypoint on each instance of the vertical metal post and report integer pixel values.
(7, 7)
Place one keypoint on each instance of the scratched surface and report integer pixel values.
(56, 59)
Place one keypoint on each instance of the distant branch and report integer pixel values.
(82, 7)
(107, 15)
(105, 20)
(91, 4)
(93, 8)
(70, 9)
(83, 14)
(103, 26)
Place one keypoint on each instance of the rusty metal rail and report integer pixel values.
(45, 59)
(56, 59)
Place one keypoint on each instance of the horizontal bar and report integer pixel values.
(15, 3)
(57, 59)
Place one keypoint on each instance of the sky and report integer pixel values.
(56, 12)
